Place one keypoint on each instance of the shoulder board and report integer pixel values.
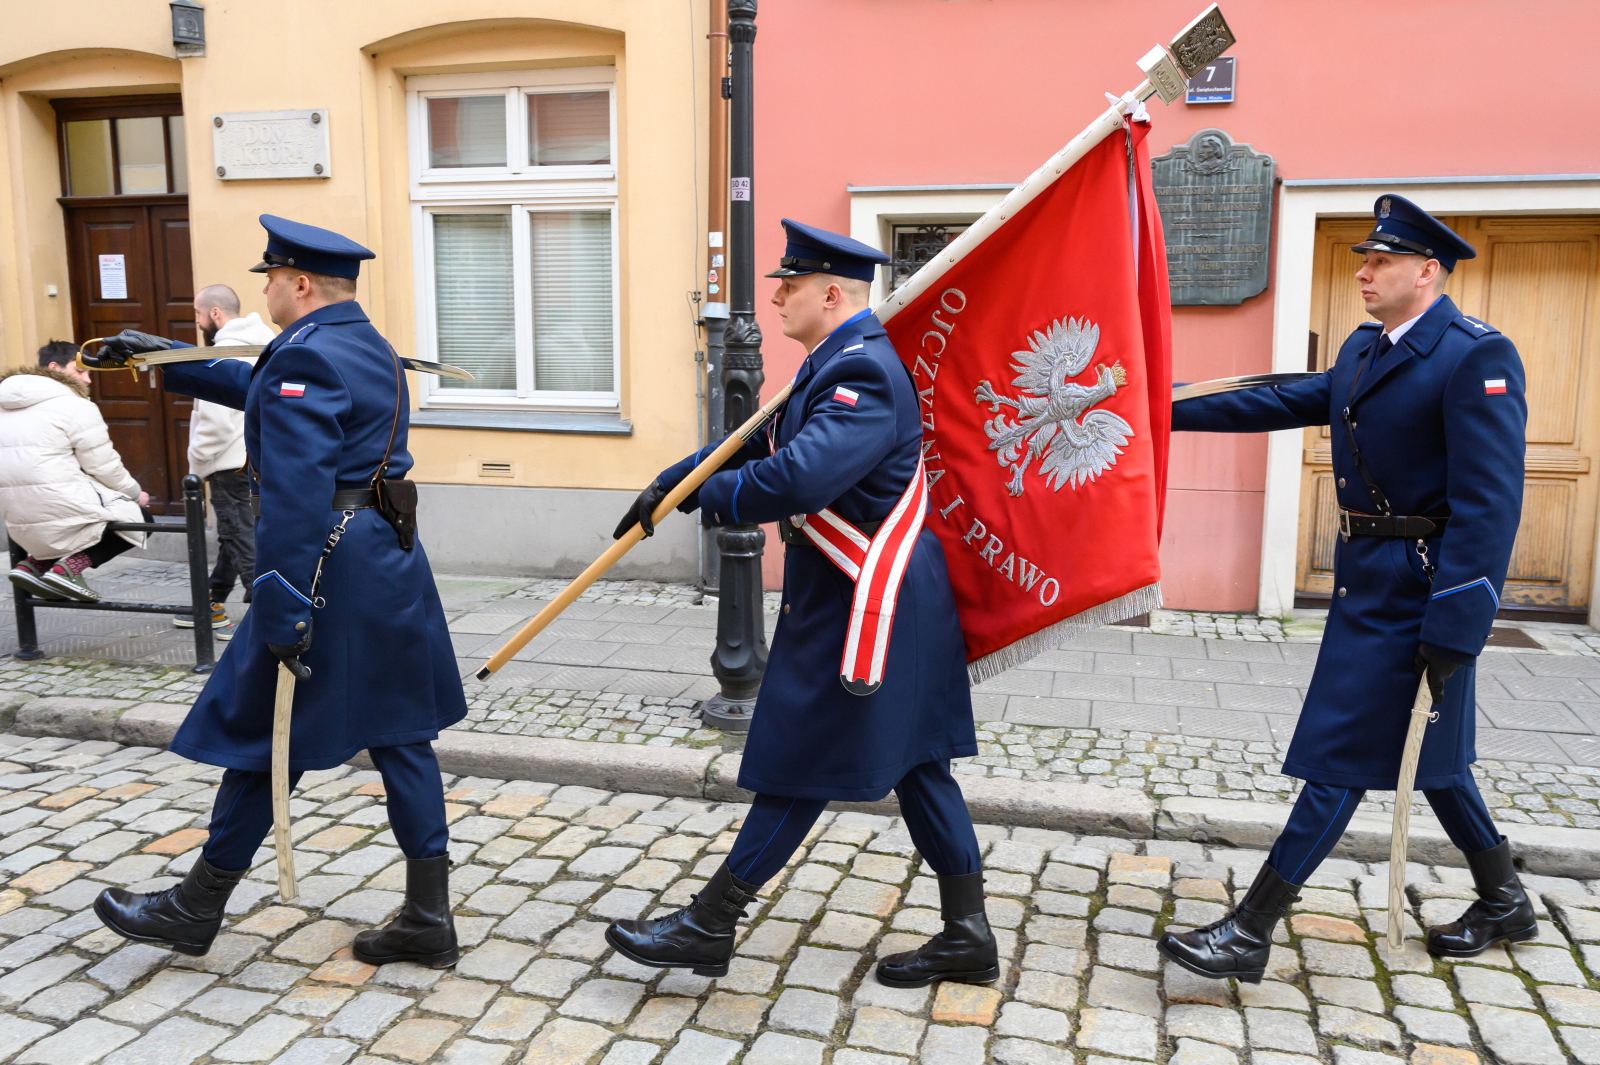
(1472, 327)
(299, 335)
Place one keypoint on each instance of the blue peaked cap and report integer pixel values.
(816, 251)
(1404, 228)
(309, 248)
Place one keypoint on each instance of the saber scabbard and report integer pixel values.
(1422, 712)
(711, 464)
(1235, 384)
(282, 840)
(243, 351)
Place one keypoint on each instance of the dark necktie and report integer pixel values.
(1382, 347)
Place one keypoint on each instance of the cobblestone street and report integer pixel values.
(540, 869)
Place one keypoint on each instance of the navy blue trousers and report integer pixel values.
(930, 801)
(1323, 811)
(242, 815)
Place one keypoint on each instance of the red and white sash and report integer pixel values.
(876, 565)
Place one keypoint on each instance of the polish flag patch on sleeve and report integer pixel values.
(845, 395)
(300, 390)
(1495, 387)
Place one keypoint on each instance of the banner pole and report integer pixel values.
(711, 464)
(1018, 198)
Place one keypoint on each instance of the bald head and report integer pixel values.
(220, 297)
(214, 307)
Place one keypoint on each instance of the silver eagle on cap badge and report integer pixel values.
(1054, 422)
(1383, 209)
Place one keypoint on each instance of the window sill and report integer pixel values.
(516, 421)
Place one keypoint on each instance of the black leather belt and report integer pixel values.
(1399, 526)
(343, 499)
(791, 535)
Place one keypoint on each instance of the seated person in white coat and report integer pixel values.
(61, 481)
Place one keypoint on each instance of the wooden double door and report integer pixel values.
(130, 269)
(1536, 280)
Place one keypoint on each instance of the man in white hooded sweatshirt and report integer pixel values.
(216, 455)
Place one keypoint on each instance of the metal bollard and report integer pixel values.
(194, 519)
(27, 631)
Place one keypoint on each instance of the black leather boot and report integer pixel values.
(1502, 911)
(1240, 943)
(185, 917)
(698, 937)
(965, 951)
(424, 930)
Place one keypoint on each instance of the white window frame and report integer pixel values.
(520, 190)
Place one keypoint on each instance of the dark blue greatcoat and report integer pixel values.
(810, 737)
(383, 671)
(1438, 439)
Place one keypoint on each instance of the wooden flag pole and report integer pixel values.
(696, 478)
(1422, 712)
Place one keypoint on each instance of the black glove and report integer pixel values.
(1432, 661)
(117, 351)
(290, 655)
(641, 511)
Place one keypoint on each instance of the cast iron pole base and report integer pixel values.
(741, 655)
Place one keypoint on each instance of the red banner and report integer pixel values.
(1043, 362)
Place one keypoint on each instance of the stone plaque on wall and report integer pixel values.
(1216, 209)
(250, 145)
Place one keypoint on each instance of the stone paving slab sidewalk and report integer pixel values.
(1170, 715)
(540, 869)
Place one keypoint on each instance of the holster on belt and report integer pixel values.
(397, 502)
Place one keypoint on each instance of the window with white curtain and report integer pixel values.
(514, 199)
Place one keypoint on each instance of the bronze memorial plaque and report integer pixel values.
(1216, 208)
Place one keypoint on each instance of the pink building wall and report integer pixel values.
(948, 92)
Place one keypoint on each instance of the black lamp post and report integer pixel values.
(188, 27)
(741, 655)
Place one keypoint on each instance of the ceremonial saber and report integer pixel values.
(1422, 712)
(247, 351)
(282, 713)
(1234, 384)
(696, 478)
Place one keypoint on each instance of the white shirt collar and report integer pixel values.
(1403, 328)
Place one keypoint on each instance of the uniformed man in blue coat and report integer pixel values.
(1428, 413)
(847, 441)
(326, 413)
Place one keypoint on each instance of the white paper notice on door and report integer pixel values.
(113, 277)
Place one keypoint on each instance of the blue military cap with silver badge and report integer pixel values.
(1406, 229)
(816, 251)
(310, 248)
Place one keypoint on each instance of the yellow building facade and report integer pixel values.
(531, 176)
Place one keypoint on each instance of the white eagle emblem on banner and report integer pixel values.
(1054, 422)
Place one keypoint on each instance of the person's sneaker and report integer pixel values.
(69, 585)
(221, 627)
(28, 575)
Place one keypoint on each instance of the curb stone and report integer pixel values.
(608, 766)
(1542, 849)
(65, 715)
(1087, 809)
(9, 703)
